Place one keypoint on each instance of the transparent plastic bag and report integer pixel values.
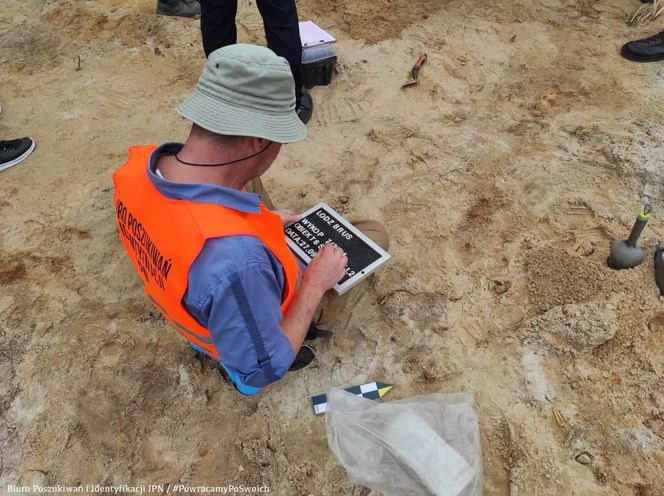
(425, 445)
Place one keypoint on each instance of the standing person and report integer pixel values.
(204, 237)
(281, 30)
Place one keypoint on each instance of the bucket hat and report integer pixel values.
(246, 90)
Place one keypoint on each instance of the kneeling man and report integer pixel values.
(203, 235)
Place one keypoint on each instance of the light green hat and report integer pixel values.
(246, 90)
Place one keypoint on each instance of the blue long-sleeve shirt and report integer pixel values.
(234, 282)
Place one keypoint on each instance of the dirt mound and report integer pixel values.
(67, 29)
(123, 24)
(28, 47)
(575, 328)
(558, 277)
(371, 21)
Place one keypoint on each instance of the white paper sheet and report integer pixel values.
(312, 35)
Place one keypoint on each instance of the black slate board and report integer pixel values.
(321, 224)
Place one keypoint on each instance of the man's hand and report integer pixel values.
(326, 269)
(287, 216)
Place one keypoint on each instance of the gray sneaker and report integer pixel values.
(179, 8)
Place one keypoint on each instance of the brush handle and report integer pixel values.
(418, 65)
(637, 229)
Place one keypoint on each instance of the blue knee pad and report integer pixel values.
(235, 379)
(242, 388)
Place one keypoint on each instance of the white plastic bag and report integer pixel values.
(425, 445)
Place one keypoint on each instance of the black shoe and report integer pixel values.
(315, 333)
(304, 357)
(179, 8)
(14, 152)
(306, 107)
(645, 50)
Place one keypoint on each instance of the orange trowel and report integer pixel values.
(412, 80)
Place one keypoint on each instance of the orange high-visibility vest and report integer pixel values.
(163, 237)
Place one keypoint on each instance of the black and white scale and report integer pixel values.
(322, 224)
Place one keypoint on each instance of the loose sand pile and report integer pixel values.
(528, 145)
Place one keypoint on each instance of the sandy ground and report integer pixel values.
(528, 145)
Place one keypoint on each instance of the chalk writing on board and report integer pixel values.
(323, 225)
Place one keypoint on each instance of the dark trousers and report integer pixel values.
(281, 30)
